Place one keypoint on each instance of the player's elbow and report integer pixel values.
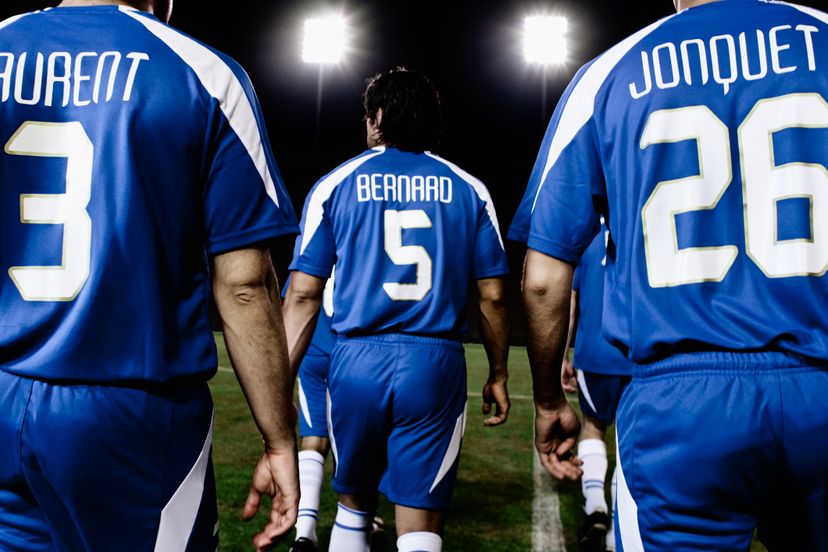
(492, 292)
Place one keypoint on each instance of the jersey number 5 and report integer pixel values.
(69, 140)
(395, 223)
(764, 183)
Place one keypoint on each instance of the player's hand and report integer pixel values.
(495, 391)
(556, 431)
(276, 475)
(568, 377)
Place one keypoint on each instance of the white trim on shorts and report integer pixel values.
(179, 515)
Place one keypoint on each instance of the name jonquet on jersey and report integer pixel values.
(60, 77)
(726, 58)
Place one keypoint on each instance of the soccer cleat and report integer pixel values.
(592, 534)
(303, 544)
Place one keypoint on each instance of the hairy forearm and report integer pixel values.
(494, 326)
(302, 303)
(546, 295)
(246, 293)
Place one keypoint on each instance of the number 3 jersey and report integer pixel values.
(132, 153)
(704, 139)
(408, 233)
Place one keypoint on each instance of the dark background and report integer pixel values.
(495, 106)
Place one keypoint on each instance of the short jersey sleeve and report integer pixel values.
(560, 212)
(489, 256)
(244, 198)
(315, 250)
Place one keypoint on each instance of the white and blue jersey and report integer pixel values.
(592, 352)
(702, 138)
(408, 233)
(132, 153)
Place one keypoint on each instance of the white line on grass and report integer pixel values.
(547, 531)
(471, 396)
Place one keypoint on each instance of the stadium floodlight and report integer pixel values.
(325, 40)
(544, 39)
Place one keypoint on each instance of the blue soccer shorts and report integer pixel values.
(88, 467)
(397, 416)
(713, 445)
(599, 394)
(313, 395)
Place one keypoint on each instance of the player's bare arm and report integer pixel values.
(546, 293)
(567, 368)
(494, 325)
(302, 303)
(246, 292)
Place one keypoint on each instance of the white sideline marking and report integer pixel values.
(547, 530)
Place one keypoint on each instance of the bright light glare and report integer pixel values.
(325, 40)
(544, 39)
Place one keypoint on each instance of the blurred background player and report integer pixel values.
(599, 375)
(408, 232)
(136, 174)
(702, 139)
(312, 383)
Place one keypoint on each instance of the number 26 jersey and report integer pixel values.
(704, 140)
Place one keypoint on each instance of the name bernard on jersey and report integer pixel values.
(59, 78)
(726, 59)
(404, 188)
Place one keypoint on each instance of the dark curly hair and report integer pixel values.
(411, 114)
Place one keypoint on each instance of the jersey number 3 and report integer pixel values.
(69, 140)
(764, 183)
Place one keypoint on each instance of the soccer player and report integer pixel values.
(408, 231)
(600, 374)
(702, 138)
(136, 175)
(312, 382)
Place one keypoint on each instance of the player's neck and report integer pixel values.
(684, 4)
(73, 3)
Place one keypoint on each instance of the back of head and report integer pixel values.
(410, 105)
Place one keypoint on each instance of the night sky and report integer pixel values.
(493, 103)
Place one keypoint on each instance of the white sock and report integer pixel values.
(613, 487)
(311, 475)
(593, 452)
(351, 530)
(420, 542)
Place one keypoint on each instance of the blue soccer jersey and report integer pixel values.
(408, 232)
(704, 140)
(592, 352)
(132, 153)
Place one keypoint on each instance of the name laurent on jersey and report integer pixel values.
(401, 187)
(726, 58)
(60, 78)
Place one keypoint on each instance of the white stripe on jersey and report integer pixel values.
(581, 103)
(822, 16)
(220, 82)
(323, 190)
(10, 20)
(478, 187)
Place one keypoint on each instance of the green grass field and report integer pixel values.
(492, 505)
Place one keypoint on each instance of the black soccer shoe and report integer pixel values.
(303, 544)
(593, 533)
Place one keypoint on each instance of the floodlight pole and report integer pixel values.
(316, 138)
